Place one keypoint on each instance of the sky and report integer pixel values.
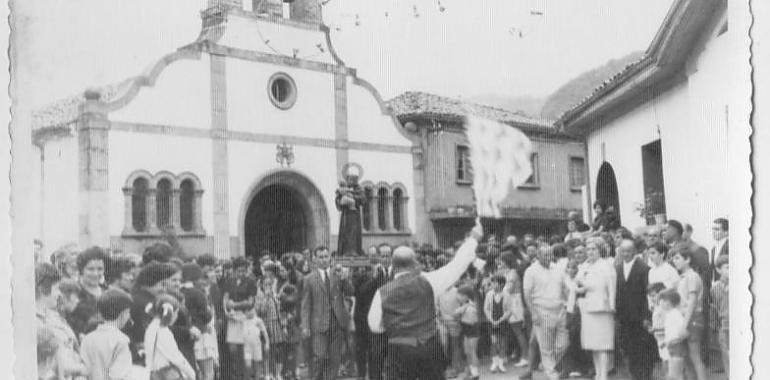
(471, 48)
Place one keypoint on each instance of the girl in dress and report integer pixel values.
(164, 360)
(268, 308)
(497, 308)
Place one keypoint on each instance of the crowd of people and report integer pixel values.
(595, 300)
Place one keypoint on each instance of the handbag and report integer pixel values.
(169, 372)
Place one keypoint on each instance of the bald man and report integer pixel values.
(405, 310)
(633, 313)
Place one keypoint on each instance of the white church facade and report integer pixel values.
(232, 145)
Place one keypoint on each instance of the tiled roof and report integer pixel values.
(615, 78)
(415, 103)
(66, 110)
(680, 27)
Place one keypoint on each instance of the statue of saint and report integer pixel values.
(349, 199)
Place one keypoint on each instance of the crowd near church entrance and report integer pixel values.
(285, 212)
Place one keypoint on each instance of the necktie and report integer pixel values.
(326, 279)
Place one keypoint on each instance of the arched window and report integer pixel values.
(186, 205)
(398, 197)
(139, 205)
(366, 211)
(163, 204)
(382, 208)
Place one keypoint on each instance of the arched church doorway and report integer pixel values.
(607, 188)
(284, 212)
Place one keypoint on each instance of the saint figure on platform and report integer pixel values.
(349, 199)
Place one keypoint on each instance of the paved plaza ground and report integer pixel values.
(514, 373)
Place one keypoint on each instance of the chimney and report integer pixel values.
(227, 3)
(305, 10)
(271, 7)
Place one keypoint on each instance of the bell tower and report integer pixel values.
(228, 3)
(305, 10)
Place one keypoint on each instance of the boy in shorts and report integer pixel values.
(254, 335)
(675, 333)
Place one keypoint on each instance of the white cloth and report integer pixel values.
(501, 159)
(440, 280)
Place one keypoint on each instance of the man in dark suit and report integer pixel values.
(324, 316)
(720, 232)
(366, 282)
(632, 311)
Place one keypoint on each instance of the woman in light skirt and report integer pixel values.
(596, 284)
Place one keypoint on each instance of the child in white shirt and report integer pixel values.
(675, 330)
(254, 335)
(657, 325)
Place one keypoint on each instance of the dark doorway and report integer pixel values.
(652, 172)
(607, 188)
(276, 221)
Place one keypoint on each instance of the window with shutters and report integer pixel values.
(577, 177)
(463, 165)
(533, 182)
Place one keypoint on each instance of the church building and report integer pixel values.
(231, 145)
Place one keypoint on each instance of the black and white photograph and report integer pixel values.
(381, 190)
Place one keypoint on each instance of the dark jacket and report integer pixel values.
(140, 320)
(85, 318)
(631, 295)
(197, 306)
(366, 284)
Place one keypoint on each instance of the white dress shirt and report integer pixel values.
(627, 268)
(663, 273)
(440, 280)
(717, 248)
(324, 274)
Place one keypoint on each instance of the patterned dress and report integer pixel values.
(268, 308)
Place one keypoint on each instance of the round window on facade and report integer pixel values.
(282, 91)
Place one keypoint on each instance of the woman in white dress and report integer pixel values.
(596, 284)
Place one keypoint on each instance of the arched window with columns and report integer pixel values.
(138, 208)
(186, 205)
(398, 197)
(366, 210)
(163, 203)
(382, 209)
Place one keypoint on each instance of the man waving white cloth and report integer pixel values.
(404, 309)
